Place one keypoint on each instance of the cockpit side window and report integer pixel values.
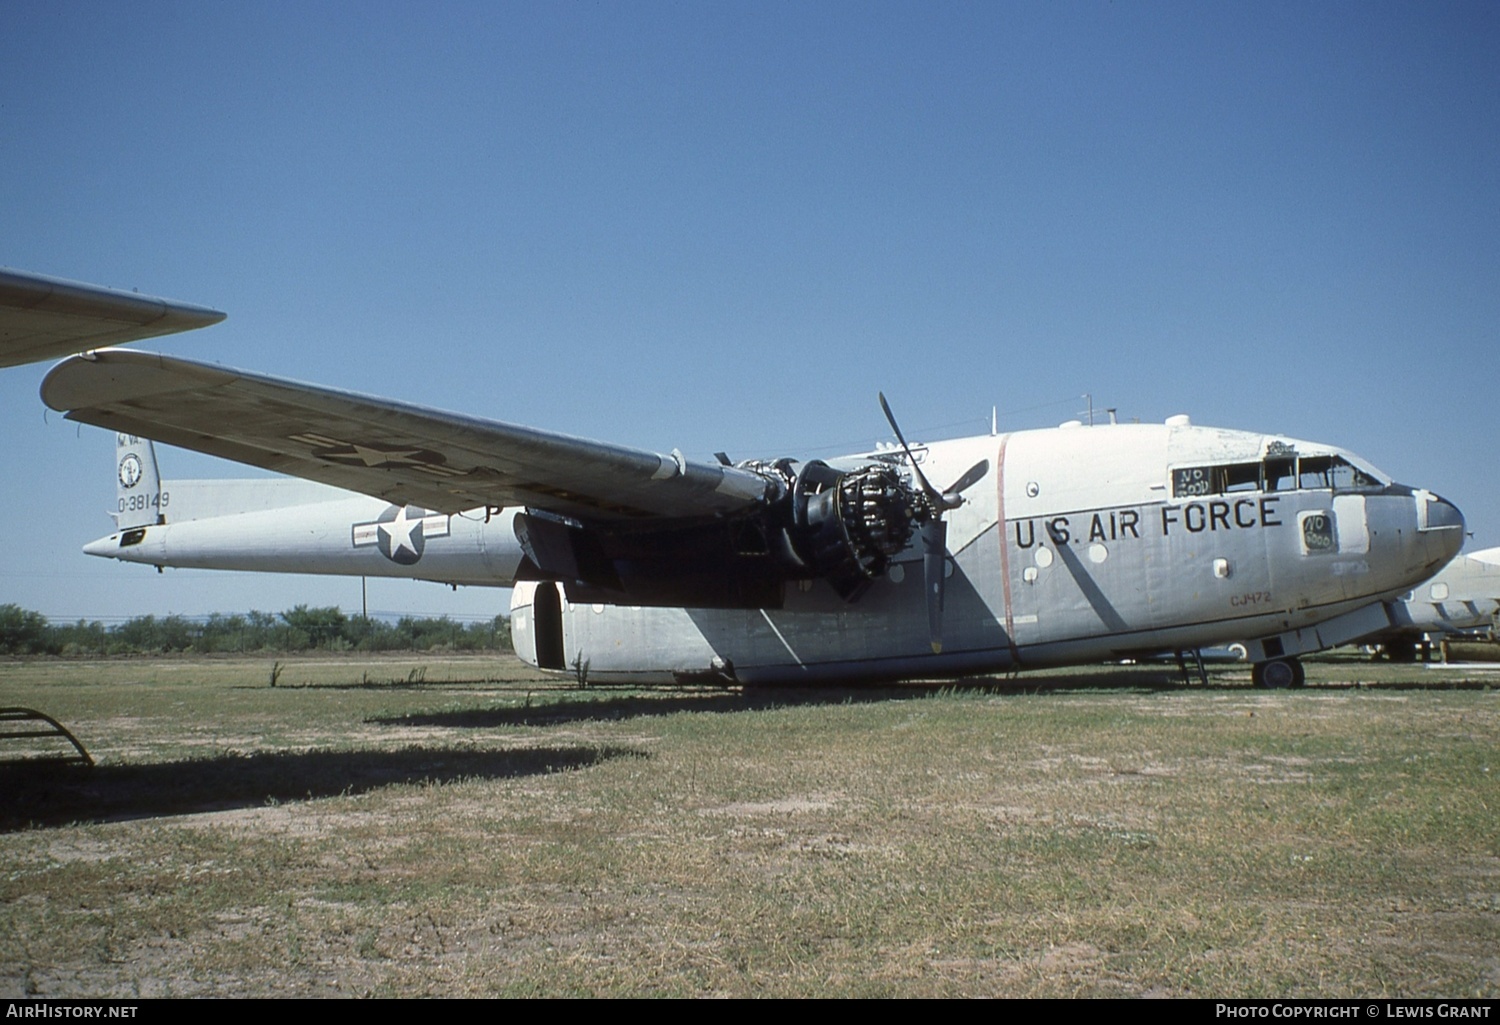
(1312, 473)
(1347, 477)
(1241, 477)
(1281, 474)
(1332, 473)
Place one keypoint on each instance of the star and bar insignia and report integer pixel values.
(380, 457)
(401, 532)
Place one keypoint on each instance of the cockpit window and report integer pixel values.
(1276, 474)
(1241, 477)
(1281, 474)
(1332, 473)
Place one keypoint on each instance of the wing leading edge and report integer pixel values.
(43, 318)
(403, 453)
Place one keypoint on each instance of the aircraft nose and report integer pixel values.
(1439, 513)
(105, 546)
(1440, 521)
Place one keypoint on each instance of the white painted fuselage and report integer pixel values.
(1081, 544)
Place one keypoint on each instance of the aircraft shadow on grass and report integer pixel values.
(46, 793)
(566, 710)
(41, 793)
(585, 707)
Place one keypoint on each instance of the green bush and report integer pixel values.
(23, 632)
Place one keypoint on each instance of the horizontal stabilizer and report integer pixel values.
(208, 499)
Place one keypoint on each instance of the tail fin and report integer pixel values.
(139, 499)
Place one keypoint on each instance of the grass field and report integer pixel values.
(459, 827)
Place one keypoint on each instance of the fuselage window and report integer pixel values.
(1317, 533)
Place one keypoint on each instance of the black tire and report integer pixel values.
(1278, 674)
(1401, 649)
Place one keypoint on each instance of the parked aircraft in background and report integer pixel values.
(977, 555)
(1464, 597)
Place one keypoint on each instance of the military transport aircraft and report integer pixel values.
(1462, 598)
(977, 555)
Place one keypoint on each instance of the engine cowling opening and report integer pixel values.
(847, 525)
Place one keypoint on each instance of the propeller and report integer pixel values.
(935, 528)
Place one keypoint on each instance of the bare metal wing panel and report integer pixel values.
(43, 318)
(403, 453)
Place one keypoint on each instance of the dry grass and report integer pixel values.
(457, 828)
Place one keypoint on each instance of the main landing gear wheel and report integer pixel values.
(1401, 650)
(1278, 674)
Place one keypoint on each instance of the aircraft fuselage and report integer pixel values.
(1080, 544)
(1077, 544)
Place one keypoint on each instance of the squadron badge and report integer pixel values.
(130, 470)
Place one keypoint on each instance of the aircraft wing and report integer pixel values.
(44, 318)
(403, 453)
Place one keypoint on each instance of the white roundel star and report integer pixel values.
(398, 535)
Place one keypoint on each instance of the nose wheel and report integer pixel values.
(1278, 674)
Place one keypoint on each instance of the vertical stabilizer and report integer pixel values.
(138, 497)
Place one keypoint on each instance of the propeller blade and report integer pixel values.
(951, 497)
(890, 418)
(935, 530)
(934, 567)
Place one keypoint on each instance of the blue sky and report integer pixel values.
(728, 225)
